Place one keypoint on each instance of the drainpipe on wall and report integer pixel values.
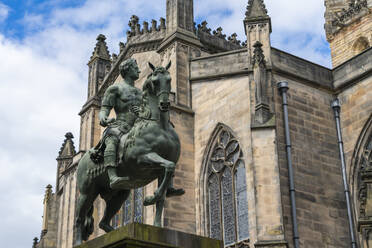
(336, 109)
(283, 88)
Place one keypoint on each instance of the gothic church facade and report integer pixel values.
(228, 110)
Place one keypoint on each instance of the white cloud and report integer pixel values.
(44, 82)
(4, 12)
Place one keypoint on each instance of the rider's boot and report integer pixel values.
(110, 162)
(116, 182)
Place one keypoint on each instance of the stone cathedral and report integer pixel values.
(228, 110)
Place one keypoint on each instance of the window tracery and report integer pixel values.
(226, 190)
(131, 211)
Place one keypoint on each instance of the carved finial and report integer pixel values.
(145, 27)
(258, 55)
(153, 26)
(138, 29)
(36, 241)
(114, 58)
(233, 39)
(69, 135)
(203, 27)
(48, 193)
(218, 33)
(162, 24)
(101, 50)
(121, 46)
(256, 8)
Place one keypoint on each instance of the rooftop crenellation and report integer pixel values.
(216, 40)
(138, 33)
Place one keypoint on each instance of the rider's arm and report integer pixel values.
(108, 102)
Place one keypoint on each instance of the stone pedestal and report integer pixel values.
(137, 235)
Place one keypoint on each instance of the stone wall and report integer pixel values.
(222, 64)
(321, 207)
(66, 210)
(343, 46)
(215, 102)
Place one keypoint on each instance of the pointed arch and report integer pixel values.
(361, 182)
(360, 45)
(224, 187)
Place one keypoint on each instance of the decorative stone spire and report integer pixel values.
(48, 193)
(257, 24)
(256, 9)
(101, 50)
(67, 148)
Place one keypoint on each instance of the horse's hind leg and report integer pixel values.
(113, 205)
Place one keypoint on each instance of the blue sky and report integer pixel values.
(44, 48)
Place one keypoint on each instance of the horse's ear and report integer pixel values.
(168, 65)
(152, 66)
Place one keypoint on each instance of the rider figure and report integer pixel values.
(125, 99)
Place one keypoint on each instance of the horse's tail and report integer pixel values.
(88, 224)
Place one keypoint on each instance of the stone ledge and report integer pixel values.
(272, 244)
(137, 235)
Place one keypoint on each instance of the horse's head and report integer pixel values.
(158, 84)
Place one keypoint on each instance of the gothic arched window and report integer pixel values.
(131, 211)
(226, 190)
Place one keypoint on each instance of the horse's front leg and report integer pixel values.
(154, 158)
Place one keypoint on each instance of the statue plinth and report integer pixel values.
(137, 235)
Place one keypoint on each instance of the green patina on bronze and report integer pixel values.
(137, 147)
(141, 236)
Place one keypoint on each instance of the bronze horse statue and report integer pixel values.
(149, 151)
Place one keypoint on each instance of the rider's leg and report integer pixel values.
(110, 161)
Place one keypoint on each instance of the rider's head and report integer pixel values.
(129, 68)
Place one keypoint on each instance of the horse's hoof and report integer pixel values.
(105, 227)
(174, 192)
(149, 200)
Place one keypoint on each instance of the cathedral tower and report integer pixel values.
(348, 28)
(99, 64)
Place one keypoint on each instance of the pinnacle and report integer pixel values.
(69, 134)
(256, 9)
(101, 50)
(101, 38)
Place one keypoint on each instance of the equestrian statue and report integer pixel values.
(137, 147)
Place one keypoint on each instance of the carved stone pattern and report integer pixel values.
(365, 173)
(228, 209)
(347, 14)
(250, 4)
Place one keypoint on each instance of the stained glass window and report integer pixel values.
(131, 211)
(227, 191)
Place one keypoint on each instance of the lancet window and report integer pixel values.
(226, 191)
(131, 211)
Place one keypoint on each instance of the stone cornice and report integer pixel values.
(180, 35)
(92, 102)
